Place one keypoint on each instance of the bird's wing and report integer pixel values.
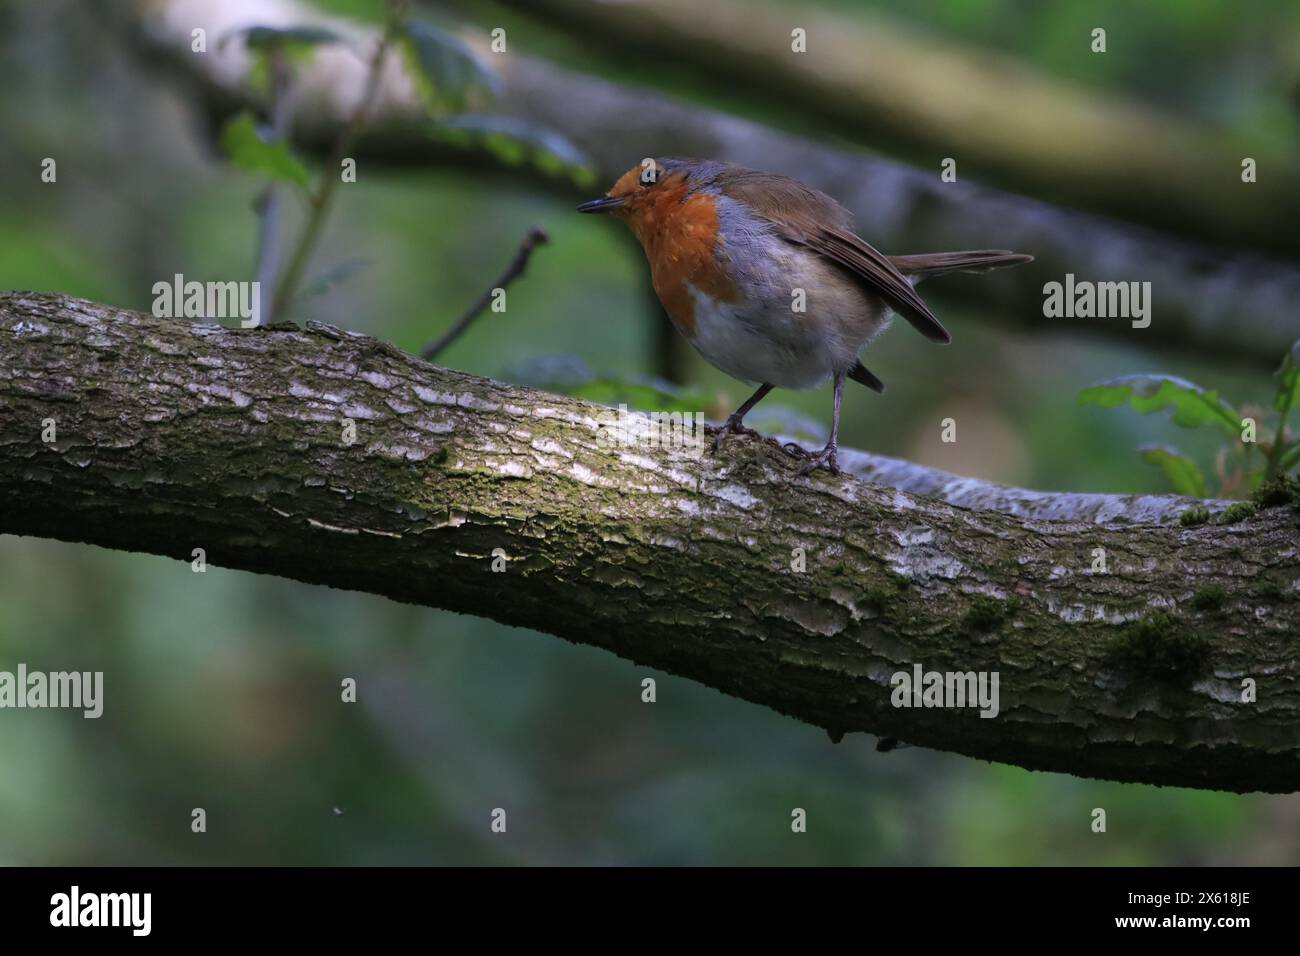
(878, 274)
(818, 223)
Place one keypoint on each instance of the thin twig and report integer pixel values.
(513, 271)
(330, 178)
(1279, 439)
(270, 206)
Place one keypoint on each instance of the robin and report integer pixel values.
(767, 280)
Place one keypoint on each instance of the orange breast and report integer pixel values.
(679, 239)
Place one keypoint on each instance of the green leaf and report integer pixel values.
(247, 149)
(1192, 406)
(518, 142)
(446, 74)
(1288, 381)
(1180, 471)
(296, 43)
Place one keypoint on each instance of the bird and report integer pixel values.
(767, 280)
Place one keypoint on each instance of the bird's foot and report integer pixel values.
(732, 426)
(827, 458)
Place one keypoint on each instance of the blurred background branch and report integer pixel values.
(1207, 297)
(886, 88)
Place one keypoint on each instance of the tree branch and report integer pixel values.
(532, 239)
(172, 436)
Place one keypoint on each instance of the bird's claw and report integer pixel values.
(827, 458)
(732, 426)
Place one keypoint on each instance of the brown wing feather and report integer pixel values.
(817, 222)
(880, 276)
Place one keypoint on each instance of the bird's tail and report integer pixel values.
(939, 263)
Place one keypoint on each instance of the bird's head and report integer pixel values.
(644, 193)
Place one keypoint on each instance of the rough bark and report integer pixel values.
(173, 436)
(1206, 299)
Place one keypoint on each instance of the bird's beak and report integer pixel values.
(603, 204)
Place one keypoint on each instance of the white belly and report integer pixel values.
(758, 344)
(763, 339)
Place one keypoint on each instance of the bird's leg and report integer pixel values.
(733, 422)
(827, 457)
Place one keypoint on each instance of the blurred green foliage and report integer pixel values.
(223, 688)
(1242, 463)
(1234, 62)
